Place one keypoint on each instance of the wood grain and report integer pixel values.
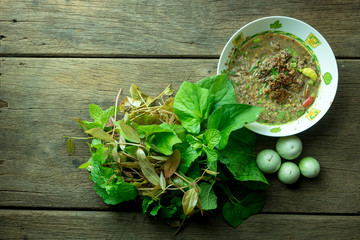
(159, 28)
(43, 95)
(24, 224)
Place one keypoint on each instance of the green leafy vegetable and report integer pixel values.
(207, 196)
(230, 117)
(178, 155)
(192, 105)
(221, 87)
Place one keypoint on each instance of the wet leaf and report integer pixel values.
(172, 163)
(162, 181)
(101, 134)
(84, 165)
(146, 168)
(70, 146)
(189, 201)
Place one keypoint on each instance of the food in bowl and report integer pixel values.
(276, 72)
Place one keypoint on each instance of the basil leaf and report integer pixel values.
(192, 105)
(230, 117)
(207, 196)
(221, 87)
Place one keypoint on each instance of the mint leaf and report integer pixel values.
(212, 138)
(207, 196)
(95, 112)
(230, 117)
(221, 87)
(147, 201)
(192, 105)
(116, 193)
(193, 141)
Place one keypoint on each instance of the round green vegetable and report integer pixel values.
(268, 161)
(289, 173)
(309, 167)
(289, 147)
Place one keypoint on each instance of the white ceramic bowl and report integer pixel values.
(316, 44)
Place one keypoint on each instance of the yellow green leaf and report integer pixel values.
(99, 133)
(70, 146)
(84, 165)
(189, 201)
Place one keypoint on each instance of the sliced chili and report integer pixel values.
(308, 101)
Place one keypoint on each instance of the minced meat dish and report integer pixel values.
(276, 72)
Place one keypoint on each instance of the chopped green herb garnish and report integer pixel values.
(293, 64)
(256, 46)
(273, 72)
(257, 40)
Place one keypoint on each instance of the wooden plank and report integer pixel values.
(159, 28)
(36, 171)
(22, 224)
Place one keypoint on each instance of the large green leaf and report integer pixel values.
(207, 196)
(128, 132)
(230, 117)
(221, 87)
(236, 212)
(192, 105)
(239, 158)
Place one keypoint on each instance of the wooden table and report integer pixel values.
(57, 57)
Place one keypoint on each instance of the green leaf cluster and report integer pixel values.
(180, 155)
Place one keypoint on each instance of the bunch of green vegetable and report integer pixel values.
(178, 155)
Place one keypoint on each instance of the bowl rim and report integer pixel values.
(297, 126)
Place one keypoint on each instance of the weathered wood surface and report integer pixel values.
(28, 224)
(159, 28)
(43, 96)
(43, 195)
